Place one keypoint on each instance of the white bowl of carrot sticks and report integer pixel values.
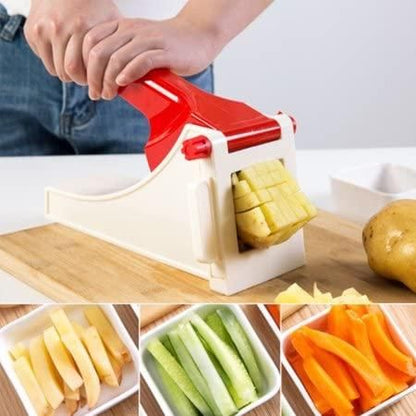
(350, 360)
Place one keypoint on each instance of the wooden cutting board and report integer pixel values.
(67, 265)
(404, 315)
(263, 331)
(10, 404)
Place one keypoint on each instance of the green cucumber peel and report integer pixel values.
(176, 398)
(178, 374)
(201, 358)
(229, 360)
(188, 364)
(215, 323)
(243, 345)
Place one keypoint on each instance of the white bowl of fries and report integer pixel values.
(70, 360)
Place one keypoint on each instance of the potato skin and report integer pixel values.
(389, 240)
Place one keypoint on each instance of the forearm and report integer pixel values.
(223, 19)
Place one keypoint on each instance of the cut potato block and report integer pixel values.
(112, 341)
(100, 359)
(117, 367)
(62, 359)
(246, 202)
(295, 294)
(19, 350)
(32, 387)
(241, 189)
(45, 372)
(269, 205)
(253, 222)
(79, 354)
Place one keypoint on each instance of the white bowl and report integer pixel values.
(318, 321)
(360, 192)
(267, 366)
(270, 321)
(35, 322)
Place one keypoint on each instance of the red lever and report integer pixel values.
(169, 102)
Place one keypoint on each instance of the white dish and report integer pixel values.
(360, 192)
(317, 322)
(35, 322)
(270, 321)
(267, 366)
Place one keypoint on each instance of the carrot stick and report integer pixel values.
(338, 322)
(329, 362)
(360, 310)
(274, 311)
(400, 381)
(327, 387)
(386, 348)
(320, 403)
(301, 344)
(354, 358)
(337, 370)
(367, 399)
(361, 341)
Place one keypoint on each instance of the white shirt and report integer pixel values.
(148, 9)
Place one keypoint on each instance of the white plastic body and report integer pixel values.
(267, 366)
(34, 323)
(318, 322)
(359, 193)
(182, 214)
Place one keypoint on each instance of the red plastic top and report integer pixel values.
(170, 102)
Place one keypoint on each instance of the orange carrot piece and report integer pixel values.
(338, 322)
(354, 358)
(327, 387)
(320, 403)
(400, 381)
(301, 344)
(367, 399)
(330, 363)
(337, 370)
(360, 310)
(362, 342)
(274, 311)
(386, 348)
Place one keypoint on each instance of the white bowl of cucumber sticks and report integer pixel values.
(220, 368)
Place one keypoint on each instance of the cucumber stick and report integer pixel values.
(177, 373)
(226, 380)
(215, 323)
(200, 356)
(243, 345)
(176, 398)
(192, 370)
(229, 360)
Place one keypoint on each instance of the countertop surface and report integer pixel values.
(23, 181)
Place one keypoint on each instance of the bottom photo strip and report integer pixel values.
(207, 359)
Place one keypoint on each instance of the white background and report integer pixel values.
(345, 69)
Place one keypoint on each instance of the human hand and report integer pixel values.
(55, 31)
(136, 46)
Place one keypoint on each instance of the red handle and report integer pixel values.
(169, 102)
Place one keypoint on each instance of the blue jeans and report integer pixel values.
(40, 115)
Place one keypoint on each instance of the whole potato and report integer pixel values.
(389, 240)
